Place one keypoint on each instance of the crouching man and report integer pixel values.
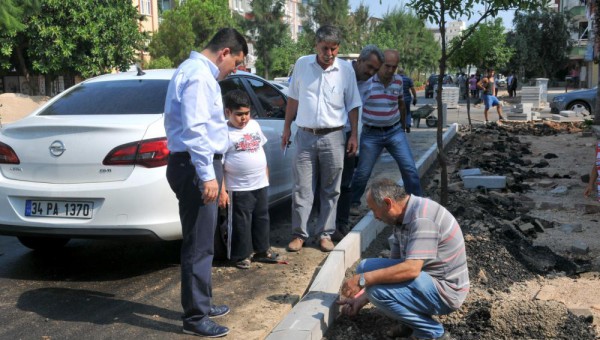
(426, 273)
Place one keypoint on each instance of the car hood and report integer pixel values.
(86, 141)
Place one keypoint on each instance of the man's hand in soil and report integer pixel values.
(350, 287)
(351, 306)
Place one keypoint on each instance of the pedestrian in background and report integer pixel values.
(511, 85)
(473, 86)
(322, 96)
(247, 182)
(426, 273)
(488, 85)
(410, 96)
(383, 103)
(197, 138)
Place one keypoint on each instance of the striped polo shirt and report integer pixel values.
(380, 103)
(429, 232)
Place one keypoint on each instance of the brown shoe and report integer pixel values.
(296, 244)
(326, 245)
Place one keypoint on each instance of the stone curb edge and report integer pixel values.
(312, 315)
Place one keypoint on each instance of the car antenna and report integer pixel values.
(140, 72)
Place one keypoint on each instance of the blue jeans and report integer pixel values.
(410, 302)
(407, 102)
(372, 142)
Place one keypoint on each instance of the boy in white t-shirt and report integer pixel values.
(246, 179)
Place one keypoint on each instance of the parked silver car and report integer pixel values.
(580, 101)
(91, 162)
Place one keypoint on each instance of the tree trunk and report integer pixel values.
(440, 122)
(23, 70)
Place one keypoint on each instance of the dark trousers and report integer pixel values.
(198, 222)
(250, 223)
(343, 207)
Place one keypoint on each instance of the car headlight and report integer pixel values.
(558, 99)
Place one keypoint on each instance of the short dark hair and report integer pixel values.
(329, 33)
(228, 38)
(235, 99)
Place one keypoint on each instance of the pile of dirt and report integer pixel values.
(14, 106)
(528, 281)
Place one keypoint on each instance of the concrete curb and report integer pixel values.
(310, 318)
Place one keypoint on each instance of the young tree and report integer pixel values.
(268, 31)
(438, 12)
(402, 30)
(189, 27)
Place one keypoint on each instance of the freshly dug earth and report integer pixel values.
(531, 276)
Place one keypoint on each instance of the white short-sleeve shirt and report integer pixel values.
(324, 96)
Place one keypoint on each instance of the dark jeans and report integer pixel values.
(198, 222)
(250, 223)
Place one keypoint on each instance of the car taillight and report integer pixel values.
(8, 155)
(149, 153)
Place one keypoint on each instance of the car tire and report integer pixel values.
(43, 243)
(578, 106)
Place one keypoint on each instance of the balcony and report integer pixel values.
(577, 11)
(577, 52)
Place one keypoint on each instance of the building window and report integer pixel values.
(583, 30)
(146, 7)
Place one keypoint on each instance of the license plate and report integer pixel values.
(62, 209)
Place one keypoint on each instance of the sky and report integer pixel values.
(378, 10)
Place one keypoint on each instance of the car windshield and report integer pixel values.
(122, 97)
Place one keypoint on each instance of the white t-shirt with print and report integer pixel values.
(245, 162)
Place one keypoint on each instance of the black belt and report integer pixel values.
(186, 155)
(322, 131)
(381, 128)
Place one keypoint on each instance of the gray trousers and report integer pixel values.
(322, 157)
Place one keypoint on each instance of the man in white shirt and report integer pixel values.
(322, 96)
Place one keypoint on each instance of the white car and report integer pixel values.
(91, 162)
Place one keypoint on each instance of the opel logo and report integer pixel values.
(57, 148)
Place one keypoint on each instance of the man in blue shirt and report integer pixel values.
(197, 138)
(410, 95)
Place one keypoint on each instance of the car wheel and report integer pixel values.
(43, 243)
(579, 107)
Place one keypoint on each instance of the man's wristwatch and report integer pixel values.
(361, 280)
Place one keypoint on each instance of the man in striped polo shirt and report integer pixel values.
(383, 102)
(426, 273)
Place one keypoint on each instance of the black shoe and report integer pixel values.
(207, 328)
(217, 311)
(408, 129)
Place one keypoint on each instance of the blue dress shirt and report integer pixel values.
(194, 117)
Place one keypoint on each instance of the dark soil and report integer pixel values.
(501, 257)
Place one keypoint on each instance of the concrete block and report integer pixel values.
(546, 183)
(568, 113)
(580, 247)
(490, 182)
(588, 208)
(560, 118)
(586, 313)
(369, 228)
(331, 273)
(469, 172)
(560, 190)
(550, 206)
(350, 245)
(309, 319)
(527, 228)
(571, 227)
